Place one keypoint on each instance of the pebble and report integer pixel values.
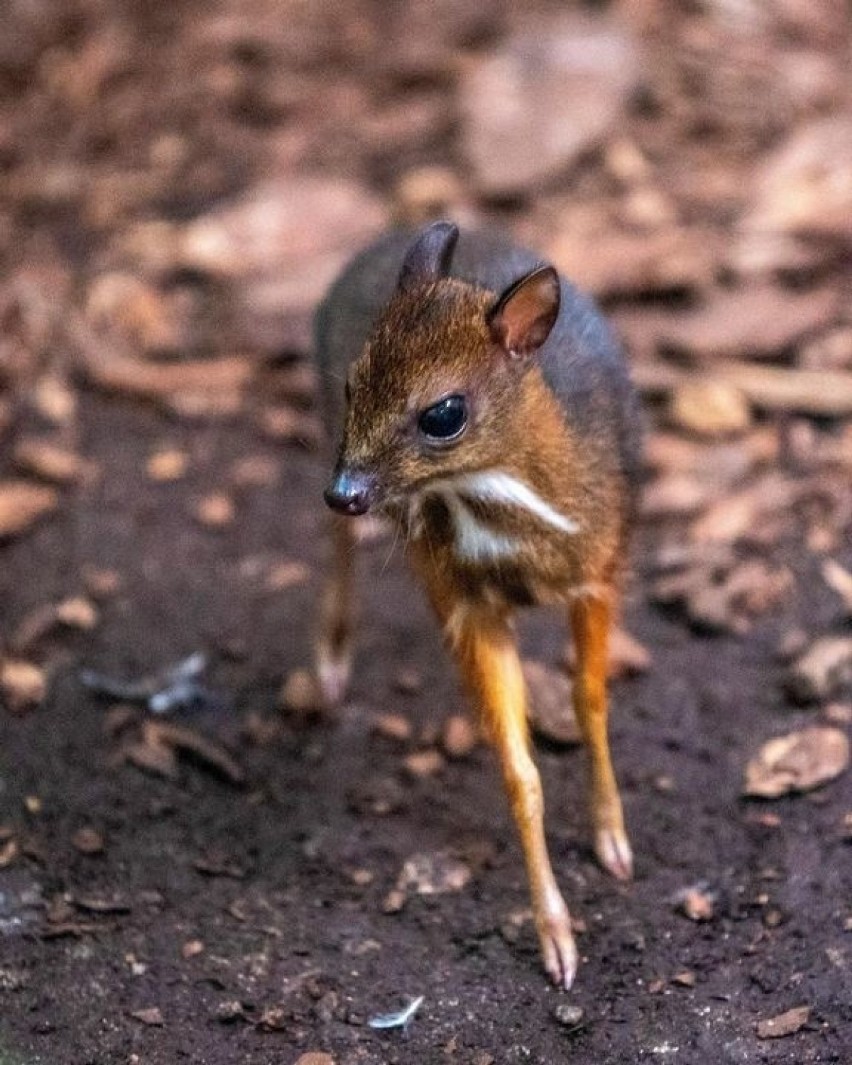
(88, 840)
(427, 192)
(393, 727)
(215, 510)
(299, 692)
(77, 613)
(568, 1014)
(169, 465)
(408, 680)
(458, 736)
(23, 685)
(423, 764)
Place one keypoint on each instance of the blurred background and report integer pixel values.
(179, 183)
(182, 180)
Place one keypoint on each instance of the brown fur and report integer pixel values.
(445, 336)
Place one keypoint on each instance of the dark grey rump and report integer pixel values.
(582, 361)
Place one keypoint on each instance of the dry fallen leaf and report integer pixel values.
(51, 462)
(626, 656)
(299, 694)
(608, 261)
(9, 851)
(530, 107)
(22, 504)
(741, 513)
(77, 613)
(757, 320)
(439, 873)
(288, 424)
(825, 665)
(709, 408)
(74, 613)
(550, 707)
(799, 761)
(192, 948)
(254, 471)
(137, 313)
(151, 1015)
(720, 463)
(676, 495)
(155, 758)
(54, 400)
(286, 573)
(839, 579)
(23, 685)
(773, 388)
(395, 727)
(787, 1023)
(427, 192)
(726, 605)
(187, 740)
(156, 747)
(222, 379)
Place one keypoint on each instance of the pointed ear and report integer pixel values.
(429, 257)
(521, 319)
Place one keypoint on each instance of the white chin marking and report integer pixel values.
(495, 486)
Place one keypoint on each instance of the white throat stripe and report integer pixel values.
(495, 486)
(474, 541)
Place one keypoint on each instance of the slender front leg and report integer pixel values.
(485, 648)
(590, 621)
(333, 640)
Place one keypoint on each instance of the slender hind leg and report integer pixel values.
(333, 640)
(591, 618)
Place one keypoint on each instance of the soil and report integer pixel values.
(203, 918)
(289, 924)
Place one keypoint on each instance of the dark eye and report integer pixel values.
(445, 420)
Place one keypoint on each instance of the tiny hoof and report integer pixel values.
(614, 853)
(332, 674)
(559, 951)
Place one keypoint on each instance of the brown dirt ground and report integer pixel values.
(291, 929)
(225, 923)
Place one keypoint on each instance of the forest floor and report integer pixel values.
(246, 881)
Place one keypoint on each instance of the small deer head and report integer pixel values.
(432, 394)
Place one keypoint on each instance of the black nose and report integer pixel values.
(351, 492)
